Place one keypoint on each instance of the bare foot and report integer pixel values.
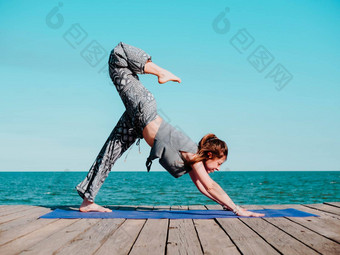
(88, 206)
(166, 76)
(163, 75)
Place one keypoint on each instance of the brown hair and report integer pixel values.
(210, 143)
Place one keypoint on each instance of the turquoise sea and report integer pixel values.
(160, 188)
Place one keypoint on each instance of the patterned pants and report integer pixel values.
(125, 63)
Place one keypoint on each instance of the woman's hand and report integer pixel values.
(245, 212)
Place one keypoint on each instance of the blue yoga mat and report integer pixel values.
(166, 214)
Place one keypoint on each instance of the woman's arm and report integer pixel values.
(201, 188)
(211, 189)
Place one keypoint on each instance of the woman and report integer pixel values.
(177, 153)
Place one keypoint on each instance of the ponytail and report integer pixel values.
(210, 143)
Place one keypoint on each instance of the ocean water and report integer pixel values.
(160, 188)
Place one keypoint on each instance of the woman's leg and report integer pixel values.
(120, 139)
(124, 64)
(125, 61)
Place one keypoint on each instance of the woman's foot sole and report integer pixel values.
(166, 76)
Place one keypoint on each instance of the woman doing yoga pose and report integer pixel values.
(177, 153)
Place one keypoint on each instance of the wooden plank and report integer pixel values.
(251, 207)
(152, 238)
(161, 207)
(219, 207)
(13, 209)
(337, 204)
(121, 241)
(325, 225)
(23, 220)
(182, 236)
(19, 214)
(322, 214)
(60, 238)
(247, 241)
(277, 238)
(213, 207)
(24, 234)
(306, 236)
(327, 218)
(197, 207)
(4, 208)
(15, 233)
(179, 207)
(19, 227)
(126, 207)
(325, 208)
(146, 242)
(212, 238)
(144, 208)
(89, 241)
(24, 242)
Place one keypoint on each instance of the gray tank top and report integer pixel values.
(168, 144)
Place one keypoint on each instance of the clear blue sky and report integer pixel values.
(57, 109)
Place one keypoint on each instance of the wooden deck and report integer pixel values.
(21, 232)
